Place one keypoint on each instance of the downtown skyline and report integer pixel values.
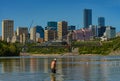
(23, 12)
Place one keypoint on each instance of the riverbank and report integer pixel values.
(55, 55)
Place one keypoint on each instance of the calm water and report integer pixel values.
(73, 68)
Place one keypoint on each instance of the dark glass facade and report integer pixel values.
(40, 30)
(87, 17)
(101, 30)
(51, 25)
(101, 21)
(71, 27)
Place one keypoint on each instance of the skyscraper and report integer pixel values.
(36, 32)
(87, 17)
(62, 30)
(50, 35)
(101, 30)
(22, 32)
(33, 34)
(7, 30)
(52, 25)
(101, 21)
(71, 27)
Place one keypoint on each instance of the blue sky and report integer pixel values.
(42, 11)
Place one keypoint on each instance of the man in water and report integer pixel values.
(53, 66)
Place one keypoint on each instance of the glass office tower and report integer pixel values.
(87, 18)
(101, 21)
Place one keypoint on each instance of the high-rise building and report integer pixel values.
(33, 34)
(101, 21)
(39, 31)
(87, 17)
(101, 30)
(7, 30)
(71, 27)
(52, 25)
(22, 32)
(62, 30)
(50, 35)
(36, 33)
(50, 31)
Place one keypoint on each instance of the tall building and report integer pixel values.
(36, 33)
(39, 31)
(62, 30)
(101, 30)
(22, 32)
(71, 27)
(33, 34)
(52, 25)
(87, 17)
(7, 30)
(50, 35)
(101, 21)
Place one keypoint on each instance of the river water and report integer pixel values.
(69, 68)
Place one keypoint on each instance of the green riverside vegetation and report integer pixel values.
(47, 50)
(8, 49)
(85, 47)
(98, 47)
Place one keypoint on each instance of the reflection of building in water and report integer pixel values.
(46, 65)
(103, 70)
(33, 64)
(53, 78)
(9, 65)
(59, 66)
(114, 67)
(22, 64)
(86, 69)
(1, 68)
(41, 64)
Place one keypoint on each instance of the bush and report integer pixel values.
(7, 49)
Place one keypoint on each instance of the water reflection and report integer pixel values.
(53, 78)
(96, 68)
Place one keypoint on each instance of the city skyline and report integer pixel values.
(23, 12)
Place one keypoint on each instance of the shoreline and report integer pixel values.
(65, 54)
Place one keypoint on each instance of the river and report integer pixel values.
(69, 68)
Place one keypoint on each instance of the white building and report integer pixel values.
(110, 32)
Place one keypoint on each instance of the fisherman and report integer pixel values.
(53, 66)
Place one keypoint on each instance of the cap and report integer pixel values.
(55, 59)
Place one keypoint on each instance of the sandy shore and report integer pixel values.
(54, 55)
(69, 54)
(65, 54)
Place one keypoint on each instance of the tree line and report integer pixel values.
(8, 49)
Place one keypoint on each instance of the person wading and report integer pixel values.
(53, 66)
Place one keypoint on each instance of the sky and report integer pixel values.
(38, 12)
